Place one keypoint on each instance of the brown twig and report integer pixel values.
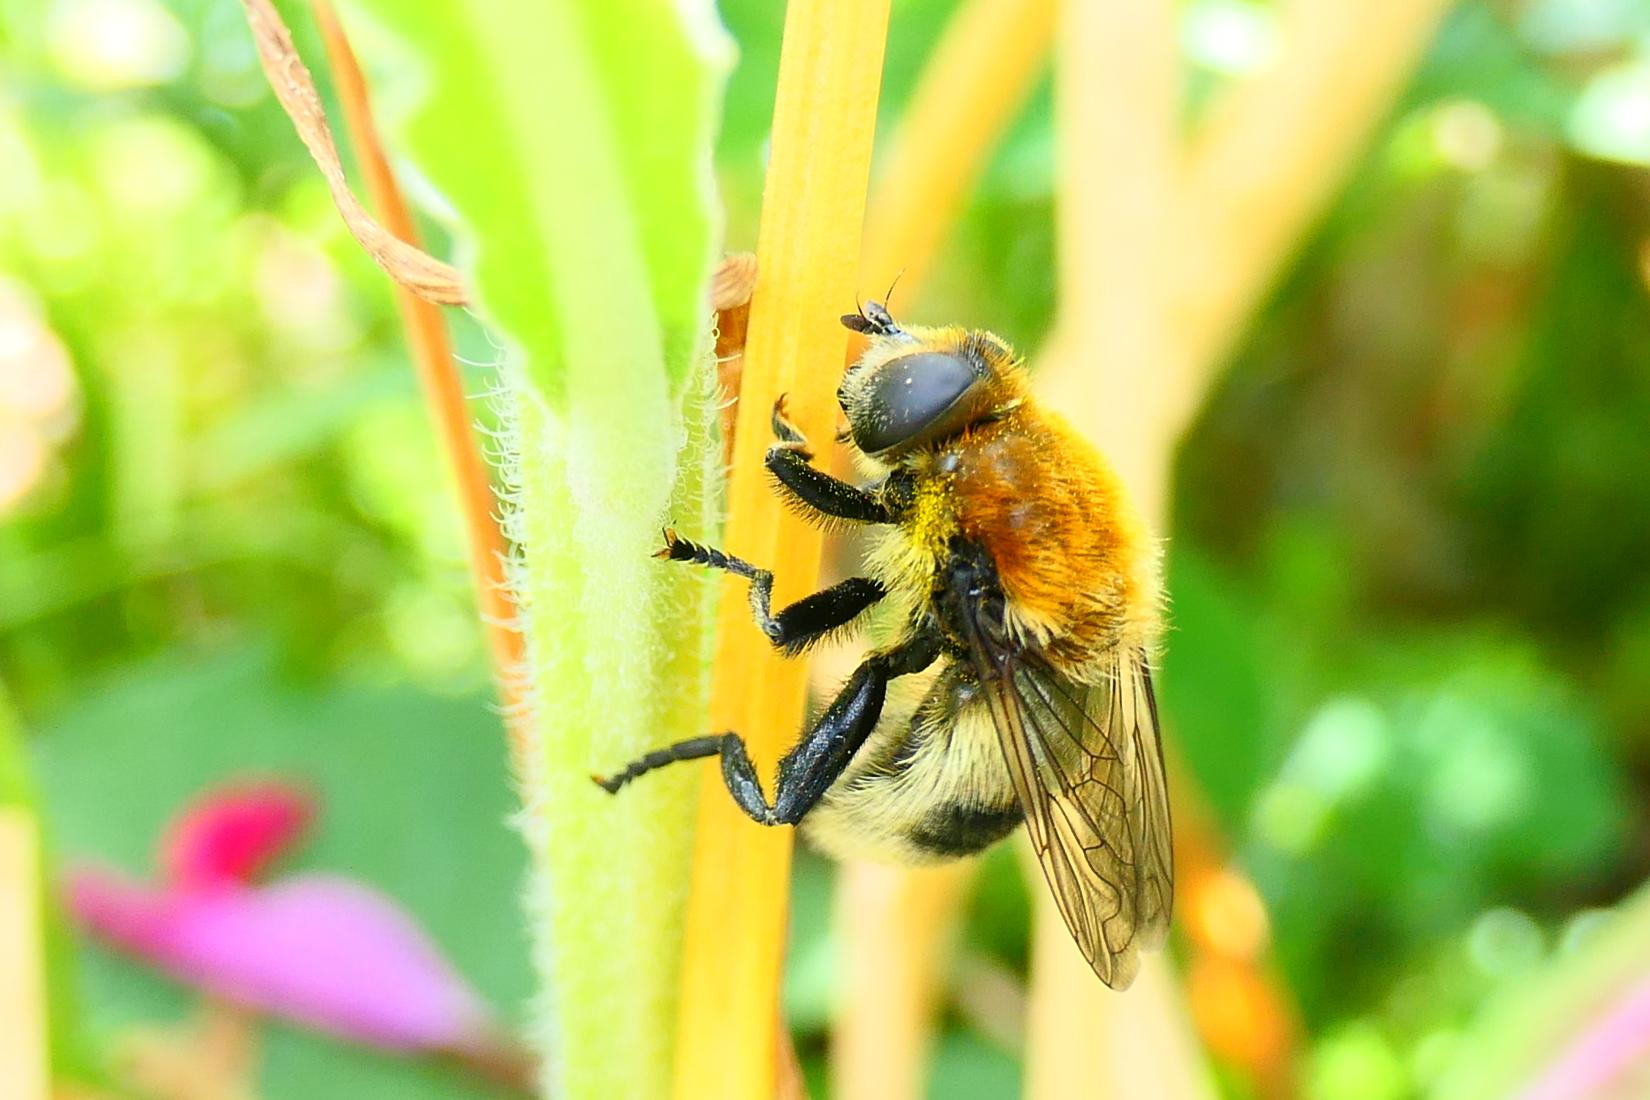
(438, 378)
(730, 295)
(409, 266)
(733, 282)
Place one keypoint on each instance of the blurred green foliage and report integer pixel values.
(1410, 663)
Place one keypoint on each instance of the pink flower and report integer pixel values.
(319, 949)
(233, 833)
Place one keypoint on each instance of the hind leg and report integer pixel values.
(809, 769)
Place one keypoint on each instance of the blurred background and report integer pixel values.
(1410, 653)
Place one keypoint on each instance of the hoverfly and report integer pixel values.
(1019, 569)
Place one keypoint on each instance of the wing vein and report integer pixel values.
(1086, 762)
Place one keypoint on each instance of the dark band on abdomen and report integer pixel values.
(961, 829)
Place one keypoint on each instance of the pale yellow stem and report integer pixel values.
(1269, 158)
(898, 928)
(1144, 325)
(895, 924)
(981, 72)
(24, 1063)
(808, 246)
(214, 1056)
(1116, 109)
(1088, 1043)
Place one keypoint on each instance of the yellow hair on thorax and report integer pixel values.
(932, 521)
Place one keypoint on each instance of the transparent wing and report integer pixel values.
(1088, 767)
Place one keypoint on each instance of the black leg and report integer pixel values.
(692, 749)
(786, 435)
(737, 771)
(809, 769)
(814, 493)
(799, 625)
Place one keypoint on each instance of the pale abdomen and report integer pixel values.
(928, 785)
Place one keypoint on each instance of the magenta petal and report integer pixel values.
(317, 949)
(231, 833)
(126, 913)
(1604, 1050)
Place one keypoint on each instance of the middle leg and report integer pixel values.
(797, 626)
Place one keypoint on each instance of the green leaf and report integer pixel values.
(15, 787)
(967, 1067)
(1215, 680)
(572, 141)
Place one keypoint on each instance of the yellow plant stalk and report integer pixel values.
(808, 244)
(981, 72)
(1120, 193)
(1269, 157)
(24, 1063)
(216, 1055)
(1117, 150)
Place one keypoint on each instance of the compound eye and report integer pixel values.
(912, 398)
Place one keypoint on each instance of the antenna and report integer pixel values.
(888, 299)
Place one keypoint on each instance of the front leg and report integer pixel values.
(809, 769)
(812, 491)
(799, 625)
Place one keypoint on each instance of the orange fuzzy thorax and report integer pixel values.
(1074, 559)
